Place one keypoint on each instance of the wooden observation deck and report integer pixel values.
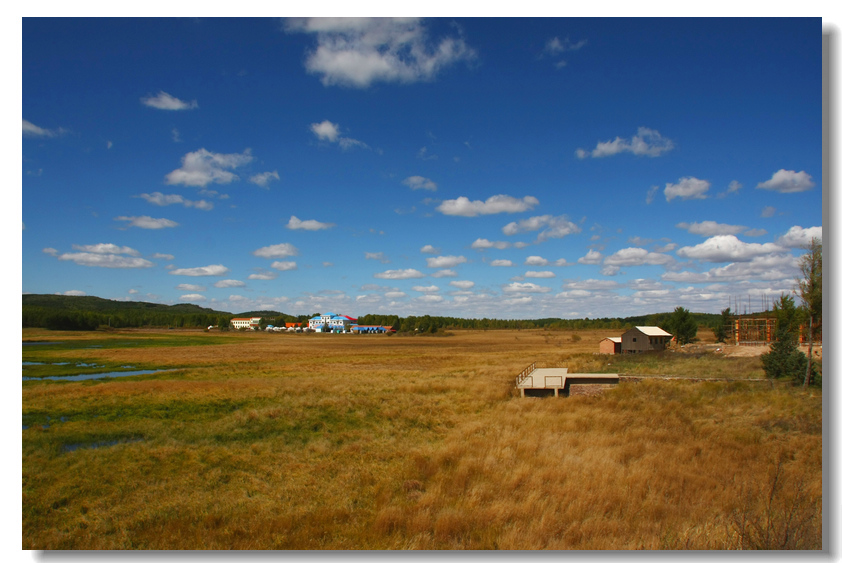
(559, 379)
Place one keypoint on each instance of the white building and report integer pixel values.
(331, 322)
(250, 323)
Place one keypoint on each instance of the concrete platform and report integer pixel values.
(559, 379)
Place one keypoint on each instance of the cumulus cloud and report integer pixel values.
(276, 251)
(163, 200)
(527, 287)
(284, 265)
(502, 263)
(555, 45)
(543, 274)
(651, 193)
(190, 297)
(727, 248)
(430, 249)
(212, 270)
(264, 178)
(484, 243)
(420, 183)
(767, 212)
(190, 287)
(445, 261)
(787, 182)
(202, 167)
(445, 274)
(309, 225)
(399, 274)
(356, 52)
(796, 237)
(377, 256)
(464, 207)
(425, 289)
(550, 227)
(592, 285)
(637, 257)
(329, 131)
(147, 222)
(162, 100)
(647, 142)
(74, 293)
(229, 283)
(32, 130)
(592, 257)
(106, 248)
(462, 284)
(536, 261)
(711, 228)
(687, 188)
(161, 256)
(772, 267)
(105, 260)
(263, 276)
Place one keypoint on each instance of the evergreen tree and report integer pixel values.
(784, 359)
(681, 325)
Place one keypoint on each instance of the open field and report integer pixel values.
(321, 441)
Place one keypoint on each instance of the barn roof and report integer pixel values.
(614, 339)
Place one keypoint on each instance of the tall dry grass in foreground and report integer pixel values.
(343, 442)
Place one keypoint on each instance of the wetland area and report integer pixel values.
(208, 440)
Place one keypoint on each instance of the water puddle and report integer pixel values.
(40, 343)
(101, 444)
(86, 376)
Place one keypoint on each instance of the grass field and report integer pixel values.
(311, 441)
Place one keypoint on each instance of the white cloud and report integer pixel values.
(190, 287)
(550, 227)
(536, 261)
(527, 287)
(282, 250)
(212, 270)
(160, 256)
(651, 193)
(264, 178)
(711, 228)
(165, 101)
(796, 237)
(394, 294)
(329, 131)
(484, 243)
(51, 251)
(767, 212)
(284, 265)
(592, 257)
(399, 274)
(445, 261)
(687, 188)
(357, 52)
(147, 222)
(555, 45)
(462, 284)
(534, 274)
(100, 260)
(325, 131)
(637, 257)
(464, 207)
(32, 130)
(647, 142)
(592, 285)
(263, 276)
(229, 283)
(787, 182)
(162, 200)
(420, 183)
(106, 248)
(430, 249)
(445, 274)
(74, 293)
(727, 248)
(771, 267)
(430, 298)
(502, 263)
(202, 167)
(193, 297)
(309, 225)
(377, 256)
(425, 289)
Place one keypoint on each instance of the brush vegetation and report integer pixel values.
(306, 441)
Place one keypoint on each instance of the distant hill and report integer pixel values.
(98, 304)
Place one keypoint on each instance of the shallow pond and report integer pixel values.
(86, 376)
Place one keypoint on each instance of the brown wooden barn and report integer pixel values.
(645, 339)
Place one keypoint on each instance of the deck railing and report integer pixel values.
(525, 373)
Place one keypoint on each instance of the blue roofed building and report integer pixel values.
(331, 322)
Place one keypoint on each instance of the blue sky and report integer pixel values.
(507, 168)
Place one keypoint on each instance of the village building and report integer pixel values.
(251, 323)
(331, 322)
(611, 345)
(645, 339)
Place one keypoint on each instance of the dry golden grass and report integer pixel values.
(266, 441)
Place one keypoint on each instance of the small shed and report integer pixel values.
(611, 345)
(645, 339)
